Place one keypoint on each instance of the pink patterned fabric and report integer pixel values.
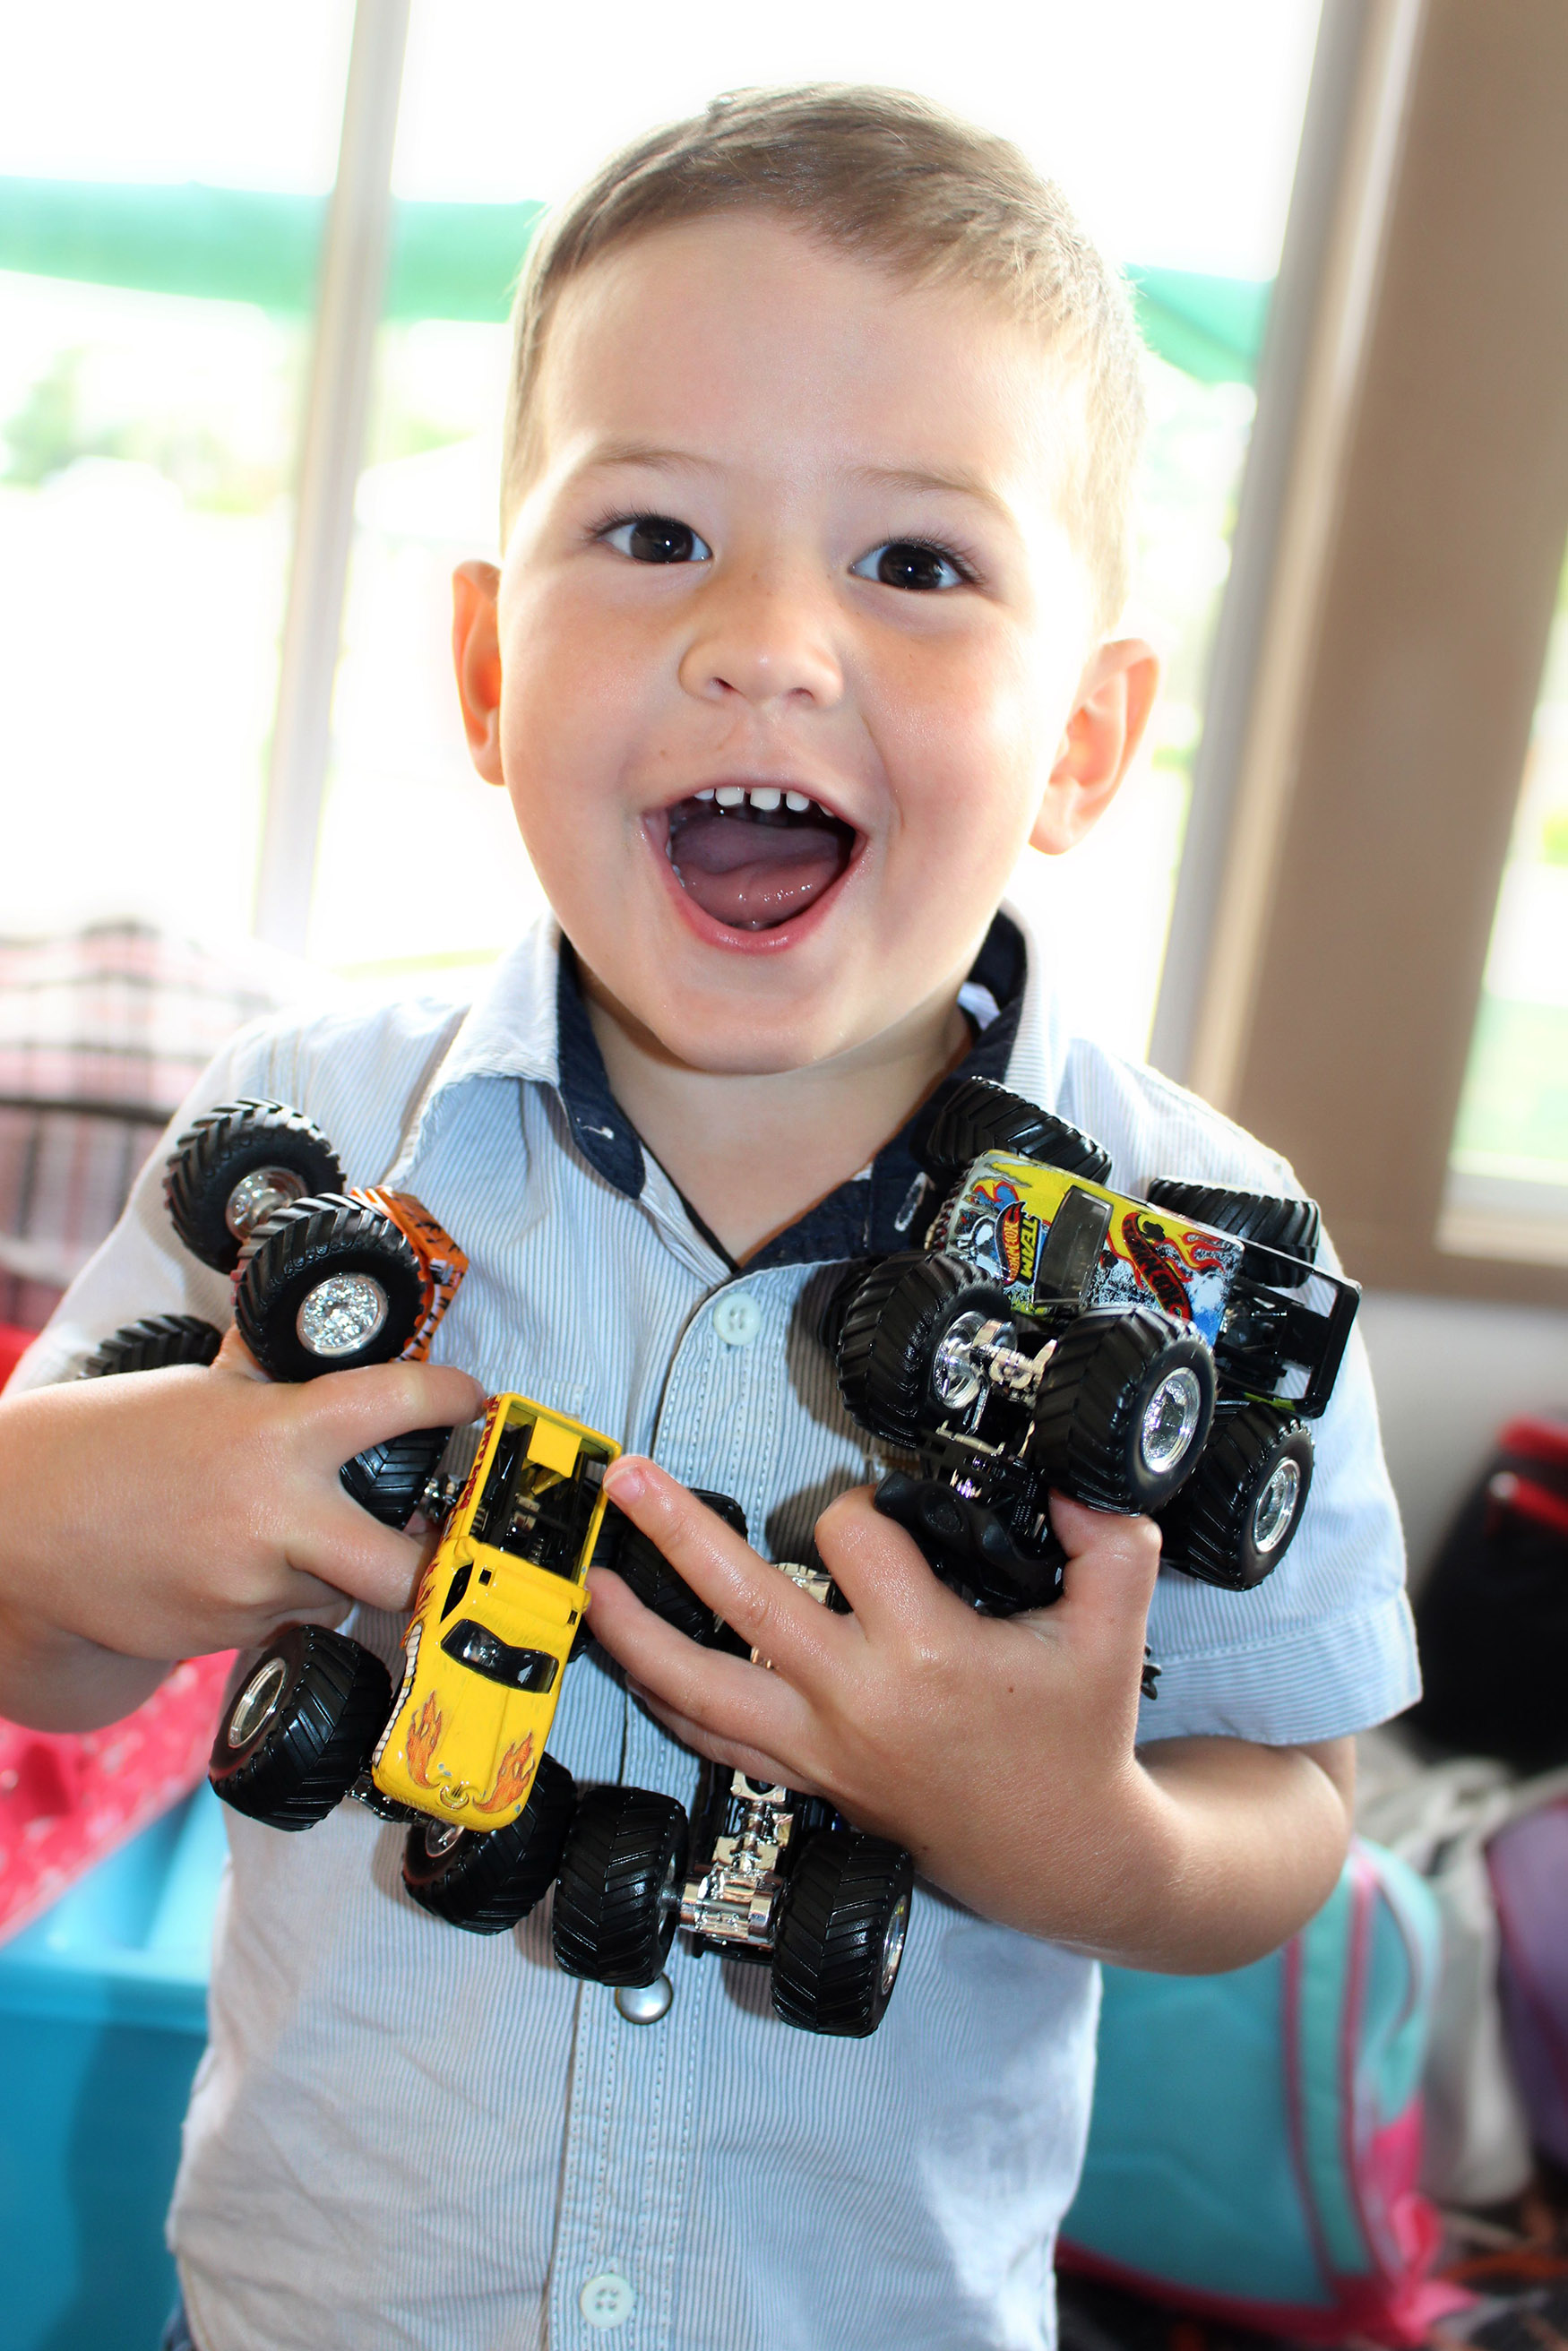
(69, 1798)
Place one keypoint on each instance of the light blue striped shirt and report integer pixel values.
(405, 2136)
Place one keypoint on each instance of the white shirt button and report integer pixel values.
(738, 1317)
(607, 2300)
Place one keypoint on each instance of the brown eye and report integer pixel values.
(910, 563)
(657, 538)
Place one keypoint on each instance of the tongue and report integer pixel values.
(750, 876)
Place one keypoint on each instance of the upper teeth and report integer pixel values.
(763, 796)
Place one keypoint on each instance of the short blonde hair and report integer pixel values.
(888, 177)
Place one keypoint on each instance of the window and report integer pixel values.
(1508, 1170)
(172, 447)
(147, 440)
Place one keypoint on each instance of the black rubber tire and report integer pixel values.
(980, 1116)
(1210, 1529)
(305, 1246)
(388, 1480)
(297, 1762)
(645, 1571)
(152, 1344)
(485, 1880)
(228, 1144)
(618, 1898)
(1266, 1223)
(1088, 1414)
(839, 1933)
(890, 1335)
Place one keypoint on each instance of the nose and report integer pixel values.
(767, 635)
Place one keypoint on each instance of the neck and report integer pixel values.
(752, 1154)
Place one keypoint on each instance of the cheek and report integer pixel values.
(970, 733)
(572, 692)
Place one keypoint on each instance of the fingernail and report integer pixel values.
(624, 1481)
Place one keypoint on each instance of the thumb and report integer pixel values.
(1112, 1563)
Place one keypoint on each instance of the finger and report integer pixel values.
(344, 1412)
(728, 1697)
(767, 1770)
(881, 1571)
(765, 1609)
(1111, 1564)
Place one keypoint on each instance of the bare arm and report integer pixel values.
(166, 1514)
(999, 1751)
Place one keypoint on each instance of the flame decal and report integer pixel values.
(423, 1738)
(511, 1779)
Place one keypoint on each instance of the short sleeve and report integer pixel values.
(1325, 1645)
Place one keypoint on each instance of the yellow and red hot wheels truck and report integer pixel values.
(459, 1754)
(1163, 1355)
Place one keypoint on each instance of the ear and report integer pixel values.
(476, 657)
(1109, 712)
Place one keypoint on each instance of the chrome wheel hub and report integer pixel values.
(1274, 1513)
(955, 1374)
(342, 1314)
(892, 1945)
(258, 1701)
(255, 1198)
(1170, 1420)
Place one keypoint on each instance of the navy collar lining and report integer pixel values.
(878, 1211)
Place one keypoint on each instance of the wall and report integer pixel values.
(1448, 1372)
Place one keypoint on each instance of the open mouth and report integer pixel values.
(757, 856)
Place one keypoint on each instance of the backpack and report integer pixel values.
(1256, 2137)
(1528, 1862)
(1492, 1618)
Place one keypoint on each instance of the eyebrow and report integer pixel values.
(963, 485)
(644, 452)
(895, 477)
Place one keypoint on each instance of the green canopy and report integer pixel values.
(448, 261)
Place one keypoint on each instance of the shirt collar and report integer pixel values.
(530, 1023)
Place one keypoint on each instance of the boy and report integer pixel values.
(815, 513)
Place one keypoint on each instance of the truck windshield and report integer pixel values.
(534, 1513)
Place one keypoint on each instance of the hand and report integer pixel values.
(166, 1514)
(1000, 1750)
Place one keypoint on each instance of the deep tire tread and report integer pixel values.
(304, 1244)
(227, 1144)
(606, 1923)
(389, 1479)
(980, 1116)
(1087, 1401)
(1266, 1223)
(334, 1706)
(1204, 1529)
(493, 1878)
(827, 1961)
(890, 1334)
(153, 1344)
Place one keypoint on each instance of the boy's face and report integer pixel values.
(791, 654)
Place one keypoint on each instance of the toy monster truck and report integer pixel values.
(325, 1278)
(1160, 1355)
(783, 1878)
